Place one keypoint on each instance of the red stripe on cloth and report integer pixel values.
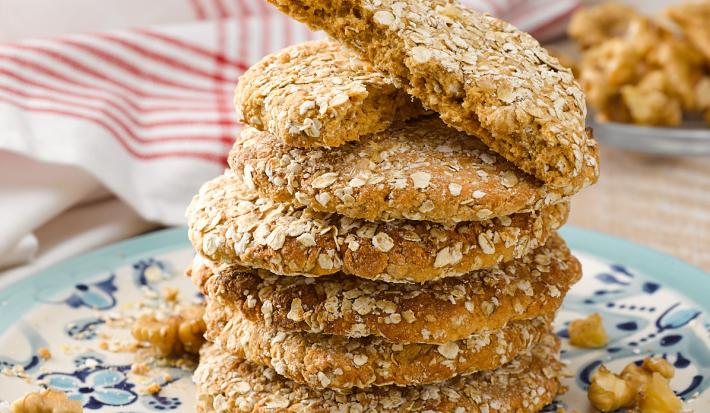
(107, 100)
(182, 44)
(100, 104)
(134, 70)
(126, 128)
(174, 63)
(211, 157)
(199, 9)
(246, 7)
(74, 82)
(222, 11)
(222, 100)
(243, 50)
(265, 32)
(80, 67)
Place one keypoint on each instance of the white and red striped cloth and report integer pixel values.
(141, 106)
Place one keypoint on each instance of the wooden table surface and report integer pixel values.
(659, 202)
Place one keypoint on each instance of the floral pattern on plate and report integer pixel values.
(63, 308)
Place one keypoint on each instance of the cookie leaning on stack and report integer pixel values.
(480, 74)
(361, 255)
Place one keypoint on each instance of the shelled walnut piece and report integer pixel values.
(593, 25)
(173, 335)
(645, 388)
(46, 401)
(609, 392)
(588, 332)
(693, 18)
(638, 69)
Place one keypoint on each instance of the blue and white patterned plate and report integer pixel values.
(650, 304)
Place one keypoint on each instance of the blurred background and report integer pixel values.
(113, 112)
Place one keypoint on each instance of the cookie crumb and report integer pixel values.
(44, 353)
(140, 369)
(153, 388)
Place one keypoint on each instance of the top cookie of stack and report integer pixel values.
(422, 174)
(482, 75)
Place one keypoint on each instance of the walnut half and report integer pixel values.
(174, 335)
(609, 392)
(658, 397)
(644, 388)
(588, 332)
(46, 401)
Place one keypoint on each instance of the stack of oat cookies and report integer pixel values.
(384, 239)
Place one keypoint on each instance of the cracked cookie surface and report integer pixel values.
(526, 384)
(435, 312)
(320, 93)
(481, 74)
(335, 362)
(419, 170)
(230, 224)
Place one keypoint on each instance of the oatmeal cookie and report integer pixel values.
(436, 312)
(526, 384)
(418, 170)
(320, 93)
(481, 74)
(335, 362)
(229, 224)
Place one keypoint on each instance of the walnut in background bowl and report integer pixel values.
(645, 70)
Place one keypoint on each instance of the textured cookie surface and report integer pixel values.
(436, 312)
(418, 170)
(320, 94)
(484, 77)
(227, 383)
(229, 224)
(327, 361)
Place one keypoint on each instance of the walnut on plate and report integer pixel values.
(643, 388)
(658, 397)
(46, 401)
(173, 335)
(588, 332)
(609, 392)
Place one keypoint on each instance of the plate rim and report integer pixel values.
(652, 263)
(690, 281)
